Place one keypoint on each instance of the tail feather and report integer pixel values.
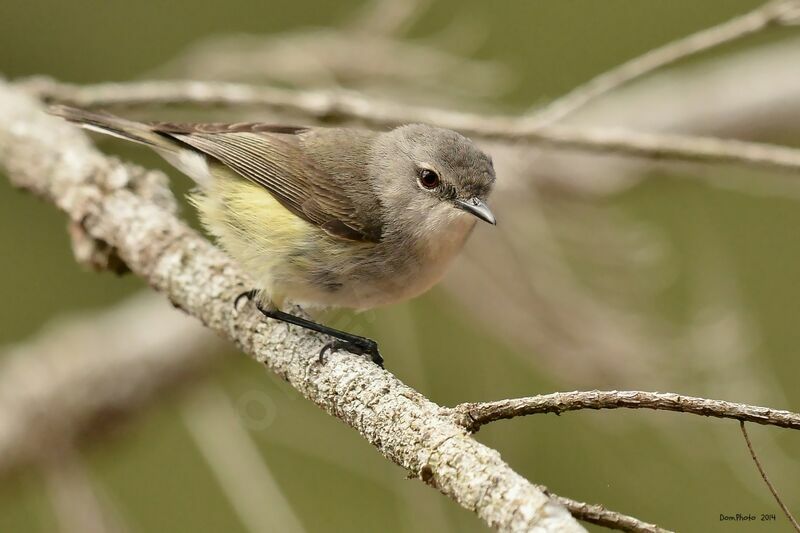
(186, 159)
(115, 126)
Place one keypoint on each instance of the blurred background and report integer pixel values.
(604, 272)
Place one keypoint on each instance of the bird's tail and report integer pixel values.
(115, 126)
(189, 161)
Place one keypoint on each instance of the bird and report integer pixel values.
(325, 217)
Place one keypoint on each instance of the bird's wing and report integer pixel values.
(273, 157)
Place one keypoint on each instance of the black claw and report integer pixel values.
(342, 340)
(329, 347)
(377, 358)
(246, 294)
(358, 346)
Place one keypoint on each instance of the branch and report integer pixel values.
(42, 400)
(341, 106)
(747, 95)
(474, 415)
(600, 516)
(88, 352)
(51, 159)
(772, 14)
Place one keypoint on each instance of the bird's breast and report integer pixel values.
(418, 263)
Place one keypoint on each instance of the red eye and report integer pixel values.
(428, 178)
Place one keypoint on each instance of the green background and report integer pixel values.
(676, 470)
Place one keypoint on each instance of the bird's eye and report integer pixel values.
(428, 178)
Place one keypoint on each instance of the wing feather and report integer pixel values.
(274, 158)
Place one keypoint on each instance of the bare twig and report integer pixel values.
(748, 94)
(351, 107)
(599, 515)
(51, 159)
(475, 415)
(772, 14)
(771, 487)
(661, 146)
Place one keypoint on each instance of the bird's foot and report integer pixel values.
(356, 345)
(342, 339)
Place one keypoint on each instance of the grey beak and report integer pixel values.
(477, 207)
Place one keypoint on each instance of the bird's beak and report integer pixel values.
(477, 207)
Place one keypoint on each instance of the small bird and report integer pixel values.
(325, 217)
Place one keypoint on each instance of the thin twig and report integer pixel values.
(763, 473)
(600, 516)
(771, 14)
(474, 415)
(342, 106)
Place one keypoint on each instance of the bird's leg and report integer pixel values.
(343, 340)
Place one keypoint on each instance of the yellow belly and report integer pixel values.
(293, 260)
(277, 248)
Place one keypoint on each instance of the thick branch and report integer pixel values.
(352, 107)
(475, 415)
(51, 159)
(63, 384)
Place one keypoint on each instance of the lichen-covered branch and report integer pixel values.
(63, 384)
(475, 415)
(52, 159)
(336, 106)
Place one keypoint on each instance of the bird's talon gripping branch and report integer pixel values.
(357, 345)
(329, 347)
(248, 295)
(342, 340)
